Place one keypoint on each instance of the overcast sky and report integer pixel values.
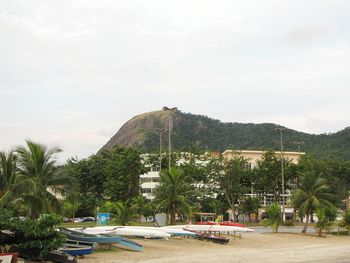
(73, 72)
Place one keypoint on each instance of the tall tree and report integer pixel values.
(312, 193)
(123, 170)
(234, 182)
(173, 193)
(11, 183)
(37, 162)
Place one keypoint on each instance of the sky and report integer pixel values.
(72, 72)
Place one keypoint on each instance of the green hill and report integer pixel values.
(197, 131)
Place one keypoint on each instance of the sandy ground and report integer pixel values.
(252, 247)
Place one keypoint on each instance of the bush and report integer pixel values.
(34, 238)
(273, 217)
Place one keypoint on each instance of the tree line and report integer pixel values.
(109, 181)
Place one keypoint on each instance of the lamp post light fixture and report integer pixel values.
(160, 131)
(280, 130)
(170, 124)
(299, 144)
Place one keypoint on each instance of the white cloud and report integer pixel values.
(72, 72)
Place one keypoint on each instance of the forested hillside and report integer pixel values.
(201, 132)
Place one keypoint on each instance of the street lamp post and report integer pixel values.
(299, 144)
(170, 129)
(160, 131)
(280, 130)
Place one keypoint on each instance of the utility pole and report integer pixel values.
(170, 126)
(280, 130)
(160, 131)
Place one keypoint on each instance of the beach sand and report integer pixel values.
(252, 247)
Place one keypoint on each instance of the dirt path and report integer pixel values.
(252, 248)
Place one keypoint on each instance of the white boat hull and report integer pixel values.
(213, 228)
(125, 231)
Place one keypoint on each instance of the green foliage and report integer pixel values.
(251, 206)
(37, 164)
(141, 206)
(325, 218)
(346, 220)
(112, 174)
(202, 132)
(273, 217)
(267, 174)
(173, 193)
(123, 169)
(234, 181)
(123, 214)
(35, 238)
(312, 193)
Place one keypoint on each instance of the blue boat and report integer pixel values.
(102, 239)
(76, 250)
(77, 242)
(98, 238)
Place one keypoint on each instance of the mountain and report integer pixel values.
(197, 131)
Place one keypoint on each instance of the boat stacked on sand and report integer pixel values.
(224, 229)
(105, 238)
(137, 231)
(225, 223)
(207, 231)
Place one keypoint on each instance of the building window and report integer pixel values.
(146, 190)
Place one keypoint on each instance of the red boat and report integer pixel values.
(225, 223)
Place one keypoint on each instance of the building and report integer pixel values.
(254, 156)
(150, 180)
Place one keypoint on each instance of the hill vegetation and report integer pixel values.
(191, 131)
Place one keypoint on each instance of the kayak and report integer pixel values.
(225, 223)
(125, 231)
(212, 228)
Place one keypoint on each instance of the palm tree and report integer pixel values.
(12, 184)
(273, 214)
(123, 214)
(313, 192)
(141, 206)
(37, 162)
(173, 193)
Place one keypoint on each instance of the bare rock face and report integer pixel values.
(134, 132)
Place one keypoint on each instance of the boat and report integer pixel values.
(143, 232)
(212, 228)
(170, 231)
(76, 250)
(61, 257)
(213, 238)
(225, 223)
(85, 243)
(107, 238)
(98, 238)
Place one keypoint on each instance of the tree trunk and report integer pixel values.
(172, 217)
(320, 232)
(306, 223)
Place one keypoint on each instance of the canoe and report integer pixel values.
(212, 238)
(212, 228)
(126, 231)
(172, 231)
(98, 238)
(138, 231)
(225, 223)
(61, 257)
(85, 243)
(106, 238)
(76, 250)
